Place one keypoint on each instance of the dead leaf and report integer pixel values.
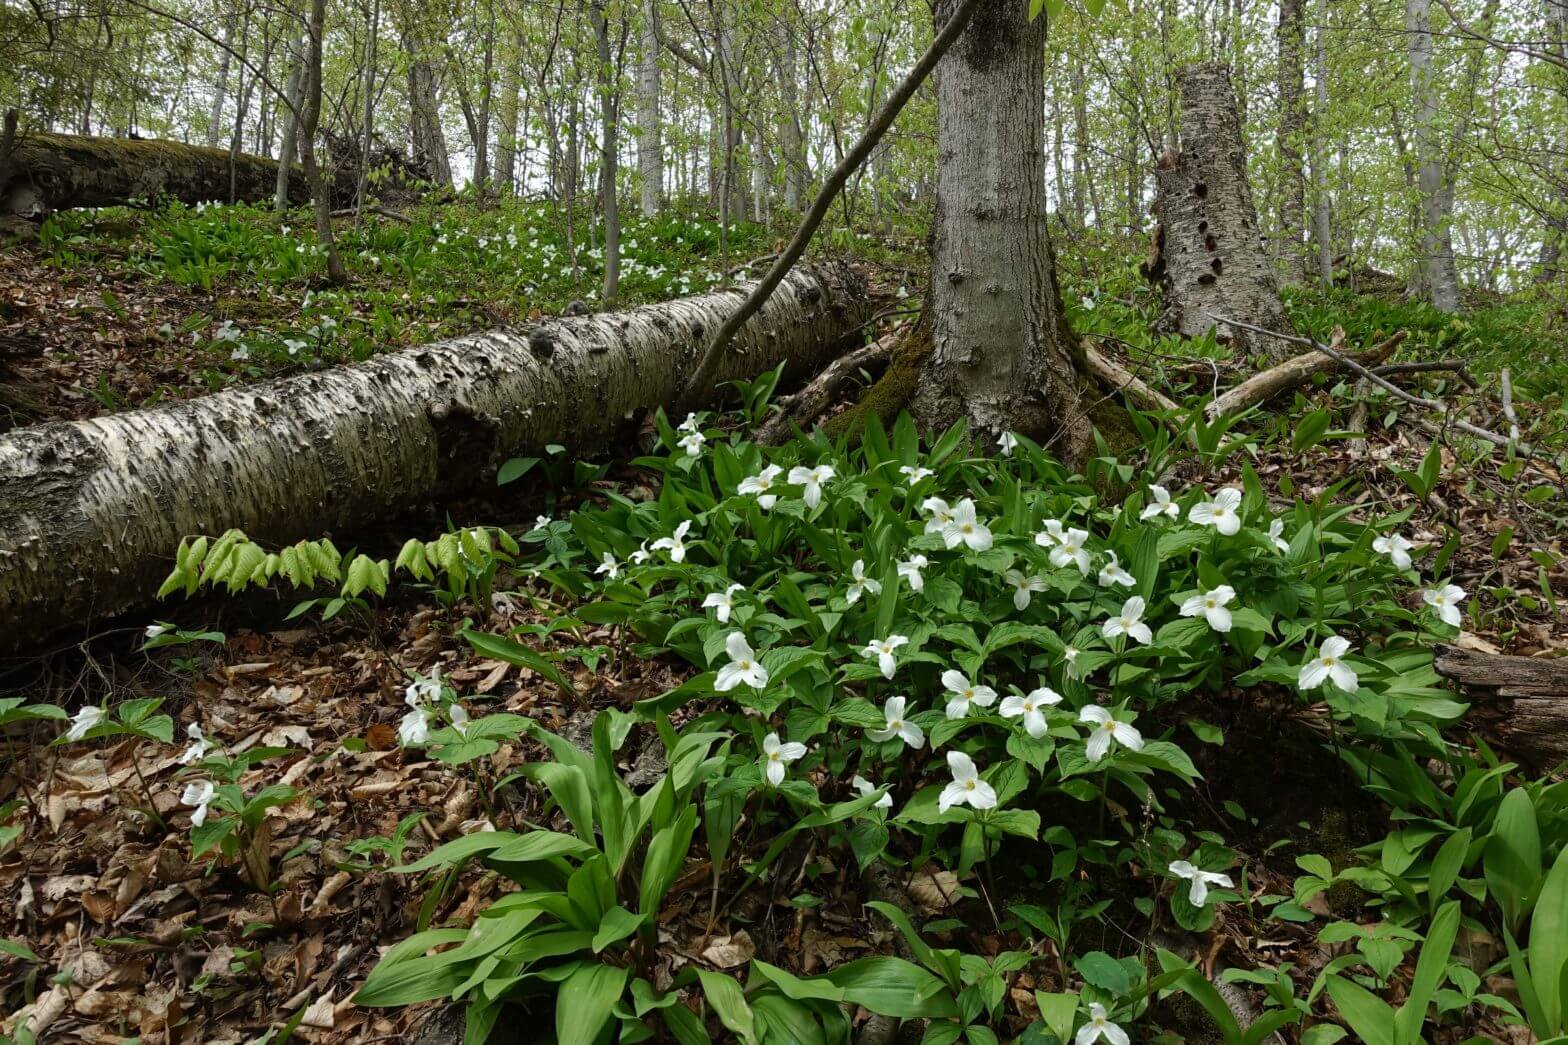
(727, 952)
(934, 890)
(320, 1014)
(381, 737)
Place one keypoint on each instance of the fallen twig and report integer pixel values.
(1456, 366)
(804, 406)
(1388, 386)
(1269, 383)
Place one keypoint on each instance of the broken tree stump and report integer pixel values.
(1209, 256)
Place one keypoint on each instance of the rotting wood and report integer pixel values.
(92, 511)
(1262, 387)
(1527, 696)
(50, 172)
(808, 404)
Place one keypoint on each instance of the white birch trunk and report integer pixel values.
(91, 511)
(1437, 277)
(650, 144)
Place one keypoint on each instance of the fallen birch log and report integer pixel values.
(1527, 695)
(1263, 386)
(50, 172)
(92, 511)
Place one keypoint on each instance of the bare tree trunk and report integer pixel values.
(310, 116)
(215, 118)
(1292, 118)
(288, 151)
(1555, 237)
(1213, 260)
(1322, 214)
(609, 153)
(424, 116)
(1002, 356)
(1438, 279)
(372, 30)
(791, 125)
(1084, 189)
(91, 511)
(650, 143)
(506, 138)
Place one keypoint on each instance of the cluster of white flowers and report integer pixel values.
(1443, 598)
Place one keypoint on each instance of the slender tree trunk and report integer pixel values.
(372, 31)
(1322, 215)
(609, 153)
(792, 134)
(424, 117)
(92, 511)
(1554, 239)
(1084, 188)
(1435, 264)
(506, 135)
(650, 143)
(1002, 356)
(1292, 116)
(215, 118)
(289, 148)
(310, 116)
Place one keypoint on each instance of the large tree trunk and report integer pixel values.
(1436, 277)
(90, 511)
(1209, 247)
(1002, 356)
(1292, 120)
(424, 117)
(506, 137)
(52, 172)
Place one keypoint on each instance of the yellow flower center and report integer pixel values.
(969, 785)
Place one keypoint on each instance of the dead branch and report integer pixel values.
(1287, 375)
(806, 405)
(1457, 367)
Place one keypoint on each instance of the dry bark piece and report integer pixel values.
(1210, 255)
(91, 511)
(1529, 694)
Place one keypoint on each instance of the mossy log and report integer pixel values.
(50, 172)
(91, 512)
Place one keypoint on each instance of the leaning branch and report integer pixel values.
(702, 376)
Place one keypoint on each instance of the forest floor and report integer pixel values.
(118, 932)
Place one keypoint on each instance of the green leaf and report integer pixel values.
(498, 647)
(1512, 860)
(1368, 1015)
(1446, 866)
(18, 950)
(729, 1003)
(1431, 968)
(666, 855)
(586, 1003)
(618, 924)
(501, 846)
(893, 987)
(1101, 970)
(1549, 942)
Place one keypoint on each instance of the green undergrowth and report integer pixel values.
(924, 658)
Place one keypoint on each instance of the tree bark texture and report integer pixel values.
(650, 140)
(91, 511)
(1524, 700)
(1002, 356)
(52, 172)
(1213, 258)
(1435, 272)
(1292, 123)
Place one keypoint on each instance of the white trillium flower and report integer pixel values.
(414, 729)
(423, 689)
(1198, 892)
(810, 480)
(1070, 658)
(881, 650)
(910, 569)
(154, 630)
(1106, 729)
(1023, 587)
(84, 720)
(761, 484)
(963, 694)
(541, 522)
(1070, 549)
(866, 787)
(1210, 605)
(1129, 622)
(1112, 573)
(1445, 601)
(198, 747)
(940, 511)
(198, 794)
(1329, 665)
(967, 788)
(1032, 707)
(914, 473)
(898, 726)
(641, 555)
(1223, 512)
(722, 601)
(459, 716)
(743, 666)
(1007, 444)
(1161, 504)
(692, 442)
(1051, 536)
(1396, 548)
(777, 755)
(1098, 1027)
(690, 424)
(963, 528)
(1276, 535)
(860, 584)
(609, 566)
(675, 545)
